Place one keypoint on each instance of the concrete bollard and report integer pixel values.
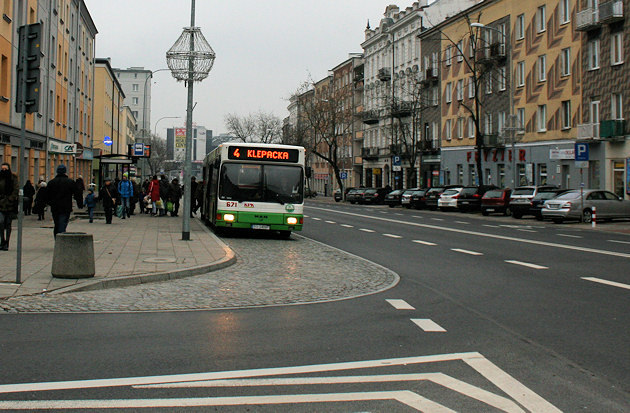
(73, 256)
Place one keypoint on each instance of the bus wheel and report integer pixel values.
(284, 234)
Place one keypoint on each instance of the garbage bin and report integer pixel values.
(73, 256)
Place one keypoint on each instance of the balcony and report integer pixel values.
(611, 11)
(588, 131)
(429, 145)
(384, 74)
(612, 128)
(369, 153)
(490, 141)
(587, 19)
(402, 109)
(370, 117)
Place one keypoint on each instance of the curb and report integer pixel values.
(137, 279)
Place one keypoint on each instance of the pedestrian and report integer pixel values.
(9, 189)
(164, 193)
(193, 196)
(80, 184)
(199, 196)
(175, 194)
(137, 197)
(125, 190)
(90, 203)
(154, 193)
(59, 193)
(27, 200)
(108, 195)
(40, 201)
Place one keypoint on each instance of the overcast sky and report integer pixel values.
(264, 48)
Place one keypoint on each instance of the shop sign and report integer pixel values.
(562, 153)
(321, 176)
(61, 147)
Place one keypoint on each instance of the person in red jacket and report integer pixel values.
(154, 193)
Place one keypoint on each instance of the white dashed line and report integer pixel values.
(466, 251)
(330, 222)
(417, 241)
(619, 242)
(306, 216)
(316, 219)
(366, 230)
(491, 226)
(612, 283)
(527, 264)
(399, 214)
(462, 222)
(569, 236)
(427, 325)
(392, 236)
(437, 219)
(347, 226)
(400, 304)
(417, 216)
(526, 230)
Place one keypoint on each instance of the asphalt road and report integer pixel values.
(469, 333)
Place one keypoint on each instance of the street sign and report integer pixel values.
(396, 160)
(343, 175)
(581, 164)
(108, 141)
(138, 149)
(581, 151)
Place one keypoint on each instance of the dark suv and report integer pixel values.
(373, 196)
(470, 197)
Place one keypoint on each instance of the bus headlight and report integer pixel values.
(228, 217)
(292, 221)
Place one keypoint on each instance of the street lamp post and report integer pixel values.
(162, 118)
(190, 59)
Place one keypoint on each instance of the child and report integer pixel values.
(90, 203)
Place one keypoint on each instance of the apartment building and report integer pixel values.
(136, 85)
(61, 131)
(606, 92)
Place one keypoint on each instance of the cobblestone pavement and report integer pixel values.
(268, 272)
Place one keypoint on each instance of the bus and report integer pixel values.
(254, 186)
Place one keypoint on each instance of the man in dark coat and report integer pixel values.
(193, 196)
(9, 189)
(108, 195)
(164, 193)
(175, 193)
(59, 193)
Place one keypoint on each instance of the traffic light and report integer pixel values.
(30, 40)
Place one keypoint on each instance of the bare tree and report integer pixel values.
(260, 127)
(158, 153)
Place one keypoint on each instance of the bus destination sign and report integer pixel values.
(270, 154)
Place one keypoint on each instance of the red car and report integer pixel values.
(496, 200)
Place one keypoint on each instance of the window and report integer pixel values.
(471, 88)
(616, 48)
(448, 55)
(135, 101)
(520, 74)
(134, 87)
(593, 54)
(471, 47)
(566, 114)
(135, 114)
(566, 61)
(520, 27)
(460, 50)
(488, 124)
(616, 109)
(542, 118)
(447, 129)
(460, 89)
(434, 134)
(502, 78)
(448, 92)
(542, 68)
(541, 16)
(565, 11)
(489, 84)
(500, 122)
(435, 98)
(471, 127)
(460, 128)
(520, 117)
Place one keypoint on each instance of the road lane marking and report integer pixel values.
(316, 219)
(437, 219)
(619, 242)
(347, 226)
(417, 216)
(400, 304)
(417, 241)
(569, 236)
(399, 214)
(483, 234)
(428, 325)
(491, 226)
(526, 230)
(306, 216)
(392, 236)
(330, 222)
(466, 251)
(606, 282)
(462, 222)
(366, 230)
(527, 264)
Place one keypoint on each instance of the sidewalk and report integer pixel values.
(136, 250)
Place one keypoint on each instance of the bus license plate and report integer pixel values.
(258, 226)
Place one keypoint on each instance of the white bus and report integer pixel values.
(254, 186)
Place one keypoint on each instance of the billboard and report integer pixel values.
(180, 138)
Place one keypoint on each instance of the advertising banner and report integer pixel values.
(180, 138)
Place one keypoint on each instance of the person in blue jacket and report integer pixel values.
(125, 190)
(90, 203)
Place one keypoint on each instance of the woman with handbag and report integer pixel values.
(108, 195)
(154, 193)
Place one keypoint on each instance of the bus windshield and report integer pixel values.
(262, 183)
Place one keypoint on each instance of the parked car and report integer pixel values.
(575, 205)
(373, 196)
(337, 194)
(539, 200)
(470, 197)
(496, 200)
(448, 199)
(394, 198)
(418, 199)
(521, 198)
(354, 195)
(433, 194)
(405, 198)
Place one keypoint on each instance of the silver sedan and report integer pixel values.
(581, 205)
